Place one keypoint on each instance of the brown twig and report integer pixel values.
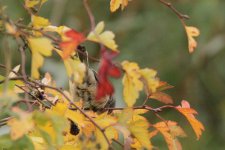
(21, 26)
(179, 14)
(78, 108)
(118, 142)
(90, 14)
(156, 110)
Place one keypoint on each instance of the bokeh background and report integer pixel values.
(151, 34)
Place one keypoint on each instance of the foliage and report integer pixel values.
(42, 116)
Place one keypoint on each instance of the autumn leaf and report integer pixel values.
(40, 47)
(104, 37)
(164, 86)
(150, 80)
(107, 69)
(69, 45)
(162, 97)
(115, 4)
(139, 129)
(191, 33)
(189, 114)
(131, 82)
(38, 21)
(21, 125)
(170, 130)
(32, 3)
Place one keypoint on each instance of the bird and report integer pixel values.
(87, 89)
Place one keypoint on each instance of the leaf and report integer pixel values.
(32, 3)
(139, 129)
(164, 86)
(170, 131)
(189, 114)
(75, 68)
(40, 47)
(107, 69)
(38, 21)
(150, 80)
(162, 97)
(15, 69)
(191, 33)
(104, 37)
(115, 4)
(131, 82)
(130, 122)
(70, 44)
(20, 126)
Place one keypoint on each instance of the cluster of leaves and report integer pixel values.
(53, 120)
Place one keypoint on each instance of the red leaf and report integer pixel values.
(69, 46)
(75, 36)
(107, 68)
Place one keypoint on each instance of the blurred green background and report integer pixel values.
(151, 34)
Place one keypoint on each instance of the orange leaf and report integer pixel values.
(189, 114)
(170, 130)
(162, 97)
(164, 86)
(192, 32)
(69, 45)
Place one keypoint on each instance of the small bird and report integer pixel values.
(87, 90)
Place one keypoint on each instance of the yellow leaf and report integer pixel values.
(22, 125)
(115, 4)
(104, 120)
(74, 68)
(38, 142)
(139, 129)
(191, 33)
(104, 37)
(149, 76)
(38, 21)
(189, 114)
(60, 30)
(32, 3)
(40, 47)
(131, 82)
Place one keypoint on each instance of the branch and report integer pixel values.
(90, 14)
(78, 108)
(179, 14)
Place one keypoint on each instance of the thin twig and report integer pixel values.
(90, 14)
(78, 108)
(38, 30)
(179, 14)
(118, 142)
